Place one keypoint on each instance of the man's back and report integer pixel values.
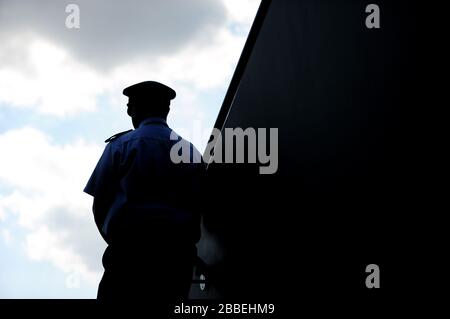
(142, 185)
(147, 210)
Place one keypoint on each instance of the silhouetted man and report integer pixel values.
(146, 206)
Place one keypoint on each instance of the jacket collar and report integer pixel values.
(153, 120)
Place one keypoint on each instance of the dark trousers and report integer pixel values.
(156, 277)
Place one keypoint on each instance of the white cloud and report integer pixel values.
(113, 31)
(49, 81)
(41, 69)
(48, 201)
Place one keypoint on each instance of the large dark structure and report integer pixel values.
(337, 91)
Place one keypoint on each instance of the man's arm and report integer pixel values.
(101, 186)
(100, 208)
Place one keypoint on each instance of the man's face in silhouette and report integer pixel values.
(132, 110)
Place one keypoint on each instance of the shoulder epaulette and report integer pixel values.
(116, 136)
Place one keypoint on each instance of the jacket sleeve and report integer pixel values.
(102, 185)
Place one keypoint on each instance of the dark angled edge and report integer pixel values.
(242, 64)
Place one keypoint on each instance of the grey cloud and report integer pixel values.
(113, 32)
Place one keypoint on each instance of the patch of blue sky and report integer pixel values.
(237, 29)
(5, 188)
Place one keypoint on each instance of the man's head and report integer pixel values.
(148, 99)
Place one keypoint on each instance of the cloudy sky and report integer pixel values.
(61, 97)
